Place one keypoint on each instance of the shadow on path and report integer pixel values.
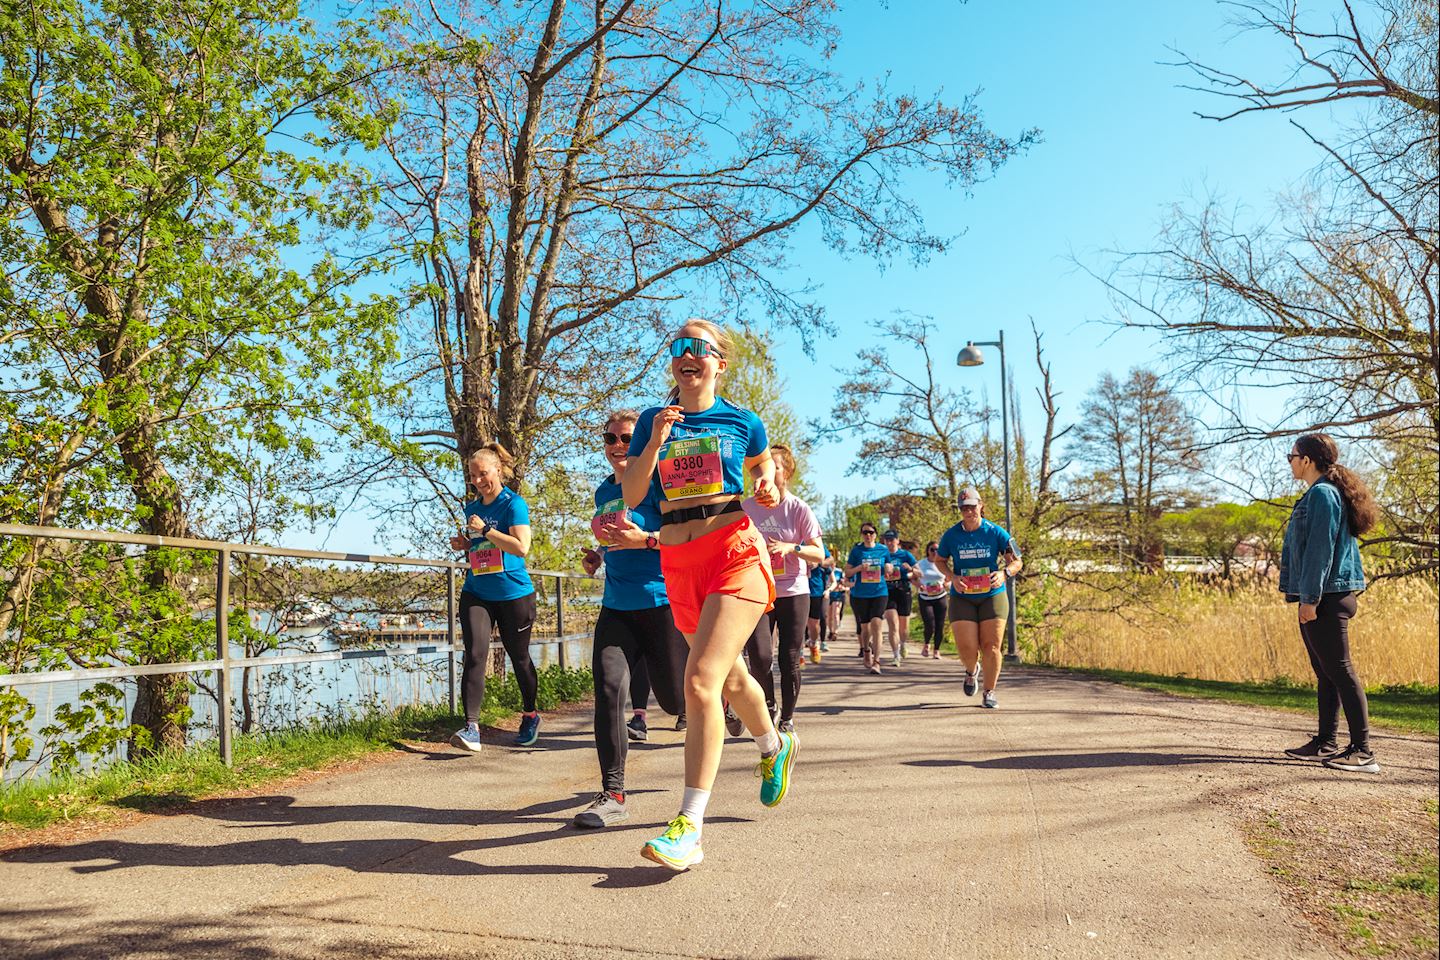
(404, 855)
(1082, 761)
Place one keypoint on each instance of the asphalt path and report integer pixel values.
(1080, 819)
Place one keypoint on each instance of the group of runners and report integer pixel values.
(704, 588)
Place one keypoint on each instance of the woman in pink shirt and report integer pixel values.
(792, 536)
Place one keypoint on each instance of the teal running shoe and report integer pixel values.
(678, 847)
(775, 771)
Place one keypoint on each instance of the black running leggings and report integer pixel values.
(478, 618)
(932, 615)
(624, 641)
(760, 655)
(1327, 640)
(789, 618)
(639, 685)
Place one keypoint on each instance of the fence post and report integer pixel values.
(222, 653)
(560, 621)
(450, 632)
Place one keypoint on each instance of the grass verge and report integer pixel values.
(196, 773)
(1414, 707)
(1362, 870)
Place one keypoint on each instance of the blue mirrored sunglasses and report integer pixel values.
(696, 347)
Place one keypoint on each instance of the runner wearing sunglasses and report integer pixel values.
(635, 635)
(868, 596)
(497, 592)
(899, 570)
(694, 453)
(792, 539)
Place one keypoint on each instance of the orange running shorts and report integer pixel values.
(731, 560)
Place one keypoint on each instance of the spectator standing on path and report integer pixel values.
(866, 563)
(693, 452)
(1320, 570)
(497, 592)
(978, 557)
(635, 635)
(932, 585)
(792, 539)
(899, 574)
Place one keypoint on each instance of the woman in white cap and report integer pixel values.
(979, 557)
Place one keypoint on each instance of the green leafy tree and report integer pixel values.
(164, 292)
(1218, 532)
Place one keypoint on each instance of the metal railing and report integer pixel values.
(224, 663)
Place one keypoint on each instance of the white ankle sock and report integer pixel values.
(692, 805)
(768, 742)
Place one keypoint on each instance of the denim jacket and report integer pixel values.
(1319, 555)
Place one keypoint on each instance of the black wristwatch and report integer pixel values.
(651, 541)
(485, 530)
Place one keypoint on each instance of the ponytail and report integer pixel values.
(1362, 513)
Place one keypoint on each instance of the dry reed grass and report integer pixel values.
(1250, 634)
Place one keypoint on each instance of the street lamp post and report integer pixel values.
(971, 356)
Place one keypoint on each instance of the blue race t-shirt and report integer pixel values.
(905, 561)
(705, 453)
(632, 577)
(869, 582)
(819, 577)
(495, 574)
(975, 554)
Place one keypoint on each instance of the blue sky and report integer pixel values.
(1121, 145)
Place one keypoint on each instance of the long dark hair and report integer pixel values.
(1361, 510)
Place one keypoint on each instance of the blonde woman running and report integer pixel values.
(695, 452)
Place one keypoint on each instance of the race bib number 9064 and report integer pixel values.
(485, 557)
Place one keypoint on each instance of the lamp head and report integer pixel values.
(970, 356)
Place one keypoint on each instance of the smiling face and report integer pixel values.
(485, 476)
(618, 453)
(970, 515)
(693, 374)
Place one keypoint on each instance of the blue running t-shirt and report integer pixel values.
(632, 577)
(869, 582)
(819, 577)
(495, 574)
(975, 554)
(705, 453)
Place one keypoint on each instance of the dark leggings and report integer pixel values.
(627, 641)
(478, 618)
(639, 685)
(932, 615)
(1327, 640)
(760, 654)
(789, 618)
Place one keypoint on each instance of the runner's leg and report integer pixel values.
(789, 617)
(714, 671)
(475, 629)
(515, 619)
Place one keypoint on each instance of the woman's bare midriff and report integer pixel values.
(677, 533)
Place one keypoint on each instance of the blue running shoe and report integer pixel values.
(775, 771)
(529, 731)
(466, 738)
(678, 847)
